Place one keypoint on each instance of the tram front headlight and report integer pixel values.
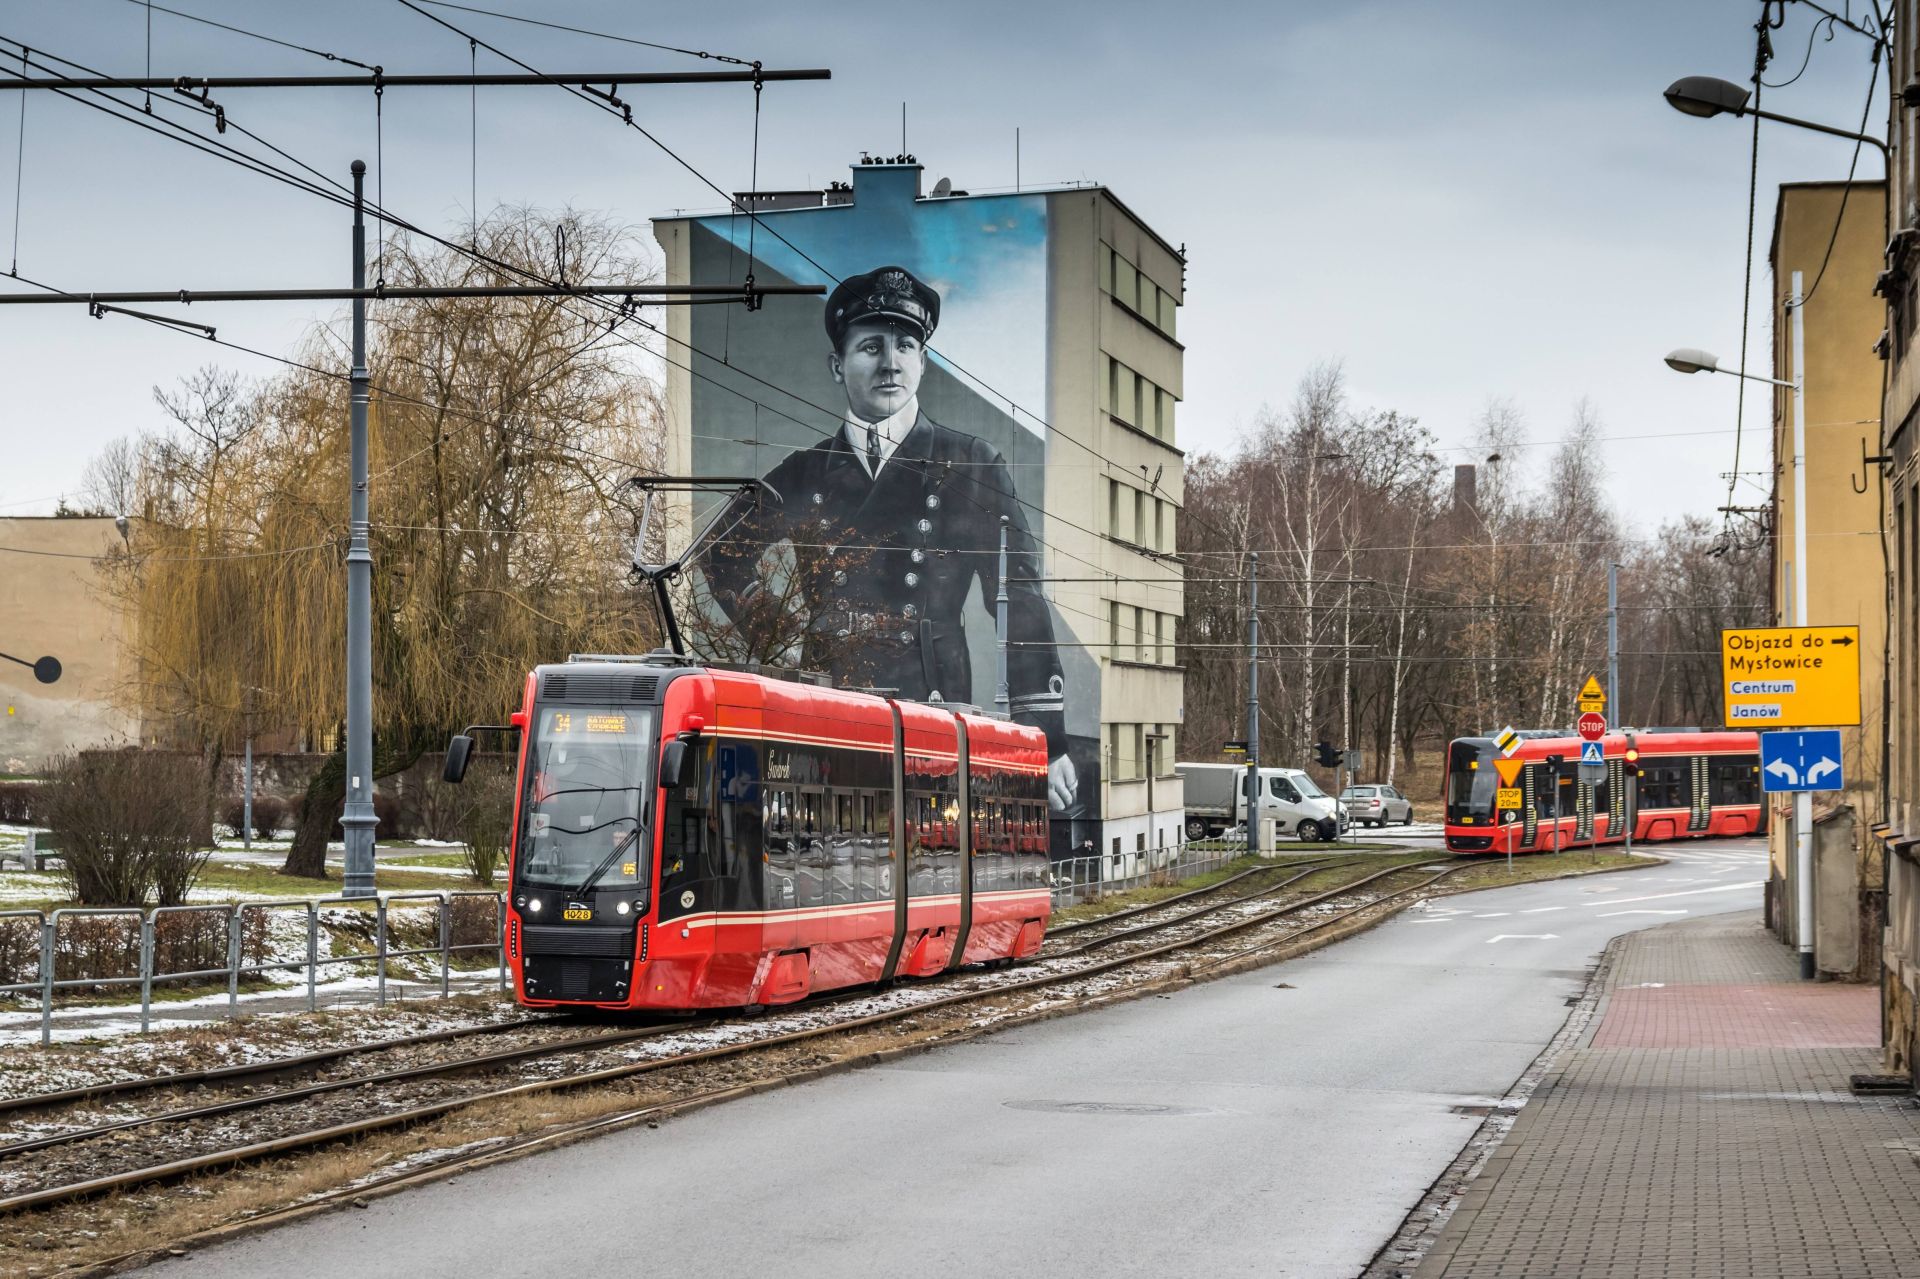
(623, 907)
(533, 906)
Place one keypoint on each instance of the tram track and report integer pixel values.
(334, 1110)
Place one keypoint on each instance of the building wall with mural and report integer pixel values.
(878, 561)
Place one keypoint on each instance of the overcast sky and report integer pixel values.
(1458, 201)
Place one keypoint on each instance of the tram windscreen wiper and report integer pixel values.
(606, 864)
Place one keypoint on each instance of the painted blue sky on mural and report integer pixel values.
(986, 256)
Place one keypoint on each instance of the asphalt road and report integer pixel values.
(1278, 1123)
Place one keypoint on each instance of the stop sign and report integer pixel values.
(1593, 726)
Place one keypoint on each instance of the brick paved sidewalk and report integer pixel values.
(1703, 1127)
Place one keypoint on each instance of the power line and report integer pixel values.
(598, 35)
(285, 44)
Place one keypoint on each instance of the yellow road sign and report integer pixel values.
(1509, 770)
(1791, 676)
(1507, 740)
(1591, 689)
(1507, 797)
(1593, 706)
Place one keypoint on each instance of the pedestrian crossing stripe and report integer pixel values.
(1507, 740)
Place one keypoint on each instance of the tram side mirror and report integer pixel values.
(459, 753)
(673, 763)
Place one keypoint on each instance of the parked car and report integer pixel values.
(1377, 805)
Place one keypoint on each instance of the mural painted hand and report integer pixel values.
(1063, 783)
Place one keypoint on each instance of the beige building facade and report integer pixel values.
(53, 603)
(1898, 822)
(1845, 568)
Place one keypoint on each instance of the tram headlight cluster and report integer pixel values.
(623, 907)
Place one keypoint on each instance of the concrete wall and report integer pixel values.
(53, 604)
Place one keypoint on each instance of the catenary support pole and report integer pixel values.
(1802, 801)
(356, 818)
(1613, 644)
(1002, 697)
(246, 799)
(1256, 835)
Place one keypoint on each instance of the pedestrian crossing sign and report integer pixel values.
(1507, 740)
(1590, 753)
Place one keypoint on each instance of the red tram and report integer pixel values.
(1670, 785)
(687, 837)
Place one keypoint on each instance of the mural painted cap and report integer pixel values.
(891, 293)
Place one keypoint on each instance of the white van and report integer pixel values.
(1216, 800)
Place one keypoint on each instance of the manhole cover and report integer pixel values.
(1108, 1108)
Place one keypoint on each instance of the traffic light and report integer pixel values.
(1554, 762)
(1325, 755)
(1630, 764)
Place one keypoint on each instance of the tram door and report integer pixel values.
(1700, 811)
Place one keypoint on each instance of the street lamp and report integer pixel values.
(1691, 360)
(1706, 96)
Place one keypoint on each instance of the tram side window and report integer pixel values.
(691, 848)
(1738, 782)
(779, 857)
(1665, 785)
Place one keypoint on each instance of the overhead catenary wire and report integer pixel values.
(255, 35)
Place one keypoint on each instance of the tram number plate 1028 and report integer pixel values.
(578, 912)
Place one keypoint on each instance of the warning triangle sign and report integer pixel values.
(1592, 688)
(1509, 769)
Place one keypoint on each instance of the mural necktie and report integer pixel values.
(873, 450)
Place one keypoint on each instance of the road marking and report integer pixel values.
(1541, 910)
(1691, 892)
(1494, 914)
(1608, 914)
(1522, 937)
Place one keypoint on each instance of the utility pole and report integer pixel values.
(1256, 841)
(1613, 644)
(1802, 800)
(1002, 697)
(357, 818)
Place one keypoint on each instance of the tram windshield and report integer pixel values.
(1471, 779)
(583, 811)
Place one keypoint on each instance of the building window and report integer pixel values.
(1160, 653)
(1113, 385)
(1167, 311)
(1139, 750)
(1139, 635)
(1113, 270)
(1113, 508)
(1140, 525)
(1113, 628)
(1159, 525)
(1113, 752)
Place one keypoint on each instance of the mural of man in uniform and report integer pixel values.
(919, 508)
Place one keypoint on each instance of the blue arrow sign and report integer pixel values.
(1590, 753)
(1801, 761)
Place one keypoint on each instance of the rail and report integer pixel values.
(132, 955)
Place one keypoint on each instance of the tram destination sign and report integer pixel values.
(1791, 676)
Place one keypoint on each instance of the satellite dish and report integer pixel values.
(943, 187)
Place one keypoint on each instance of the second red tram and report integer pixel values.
(686, 837)
(1687, 784)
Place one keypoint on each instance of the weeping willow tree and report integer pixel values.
(502, 434)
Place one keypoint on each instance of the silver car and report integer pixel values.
(1377, 805)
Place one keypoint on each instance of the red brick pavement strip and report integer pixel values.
(1707, 1130)
(1828, 1015)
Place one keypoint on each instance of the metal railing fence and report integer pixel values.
(144, 930)
(1082, 879)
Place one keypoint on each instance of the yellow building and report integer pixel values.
(52, 604)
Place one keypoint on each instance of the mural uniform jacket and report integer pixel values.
(885, 564)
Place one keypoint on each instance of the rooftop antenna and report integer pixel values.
(903, 128)
(1016, 159)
